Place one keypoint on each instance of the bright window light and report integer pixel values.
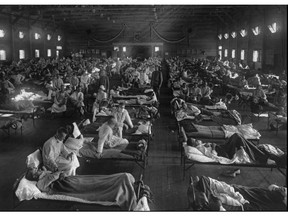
(243, 32)
(57, 53)
(59, 47)
(116, 48)
(225, 52)
(273, 28)
(37, 53)
(59, 38)
(242, 55)
(226, 35)
(220, 54)
(220, 47)
(2, 55)
(37, 36)
(48, 37)
(124, 49)
(255, 55)
(233, 53)
(256, 30)
(2, 33)
(220, 36)
(233, 34)
(49, 52)
(157, 49)
(21, 34)
(21, 54)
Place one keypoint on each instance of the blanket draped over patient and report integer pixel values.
(116, 189)
(251, 198)
(236, 142)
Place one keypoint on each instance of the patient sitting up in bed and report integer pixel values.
(56, 157)
(106, 137)
(116, 189)
(187, 111)
(122, 115)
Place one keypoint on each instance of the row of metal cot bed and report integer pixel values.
(136, 151)
(204, 139)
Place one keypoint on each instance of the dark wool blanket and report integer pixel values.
(116, 189)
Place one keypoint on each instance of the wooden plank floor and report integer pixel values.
(163, 173)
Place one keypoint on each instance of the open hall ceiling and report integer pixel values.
(106, 20)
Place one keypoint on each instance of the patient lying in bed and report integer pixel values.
(116, 189)
(205, 193)
(236, 150)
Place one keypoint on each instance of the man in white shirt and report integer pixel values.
(122, 116)
(106, 137)
(55, 156)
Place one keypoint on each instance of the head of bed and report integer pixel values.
(199, 199)
(33, 160)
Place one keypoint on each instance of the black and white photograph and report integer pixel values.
(143, 107)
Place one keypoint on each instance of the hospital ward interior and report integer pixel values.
(143, 108)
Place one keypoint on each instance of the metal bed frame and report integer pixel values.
(17, 202)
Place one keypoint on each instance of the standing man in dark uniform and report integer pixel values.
(156, 81)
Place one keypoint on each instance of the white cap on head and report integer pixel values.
(102, 87)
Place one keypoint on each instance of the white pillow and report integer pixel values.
(26, 189)
(34, 159)
(74, 144)
(76, 131)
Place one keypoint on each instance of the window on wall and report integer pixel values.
(59, 47)
(273, 28)
(49, 53)
(243, 32)
(37, 36)
(220, 54)
(57, 53)
(225, 52)
(37, 53)
(116, 48)
(48, 37)
(21, 34)
(256, 56)
(226, 35)
(256, 30)
(2, 33)
(233, 53)
(21, 54)
(59, 38)
(103, 53)
(220, 36)
(220, 47)
(2, 55)
(242, 55)
(233, 34)
(157, 49)
(124, 49)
